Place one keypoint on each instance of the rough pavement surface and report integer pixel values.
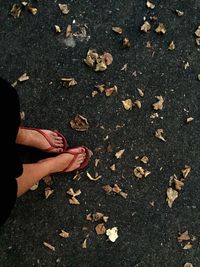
(148, 228)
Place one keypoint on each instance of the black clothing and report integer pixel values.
(11, 166)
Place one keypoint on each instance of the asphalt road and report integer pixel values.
(148, 229)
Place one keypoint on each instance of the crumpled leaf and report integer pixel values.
(118, 30)
(159, 104)
(79, 123)
(171, 46)
(188, 246)
(185, 171)
(171, 196)
(116, 189)
(159, 134)
(47, 192)
(139, 172)
(119, 154)
(64, 234)
(150, 5)
(184, 236)
(144, 159)
(23, 77)
(128, 104)
(112, 234)
(64, 8)
(31, 9)
(94, 217)
(72, 193)
(178, 184)
(100, 229)
(15, 11)
(74, 201)
(146, 26)
(161, 28)
(69, 81)
(107, 188)
(49, 246)
(96, 178)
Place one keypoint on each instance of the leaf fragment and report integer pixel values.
(112, 234)
(84, 244)
(159, 104)
(64, 8)
(179, 13)
(119, 154)
(47, 192)
(140, 92)
(197, 32)
(69, 82)
(113, 167)
(150, 5)
(96, 178)
(171, 196)
(188, 246)
(128, 104)
(188, 264)
(144, 159)
(15, 11)
(34, 187)
(74, 201)
(57, 28)
(71, 192)
(126, 42)
(64, 234)
(23, 77)
(146, 26)
(159, 134)
(49, 246)
(184, 236)
(79, 123)
(118, 30)
(185, 171)
(189, 119)
(171, 46)
(139, 172)
(100, 229)
(161, 29)
(31, 9)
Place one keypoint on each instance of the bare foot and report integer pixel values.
(31, 137)
(62, 161)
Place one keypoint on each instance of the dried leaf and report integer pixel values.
(126, 42)
(72, 193)
(188, 246)
(171, 196)
(144, 159)
(112, 234)
(171, 46)
(69, 81)
(186, 170)
(57, 28)
(159, 104)
(77, 176)
(119, 154)
(148, 44)
(178, 184)
(150, 5)
(197, 32)
(79, 123)
(107, 188)
(159, 134)
(34, 187)
(91, 57)
(113, 167)
(68, 30)
(184, 236)
(74, 201)
(23, 77)
(138, 104)
(179, 13)
(64, 8)
(128, 104)
(161, 28)
(109, 91)
(117, 30)
(15, 11)
(189, 119)
(97, 216)
(141, 93)
(31, 9)
(139, 172)
(145, 27)
(47, 192)
(96, 162)
(84, 244)
(48, 180)
(125, 67)
(22, 116)
(107, 57)
(116, 189)
(188, 264)
(100, 229)
(123, 194)
(49, 246)
(101, 65)
(64, 234)
(96, 178)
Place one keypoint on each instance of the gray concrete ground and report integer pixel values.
(148, 228)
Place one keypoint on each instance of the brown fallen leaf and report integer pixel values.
(171, 46)
(15, 11)
(189, 119)
(185, 171)
(113, 167)
(188, 264)
(178, 184)
(159, 104)
(100, 229)
(49, 246)
(107, 57)
(138, 104)
(140, 91)
(159, 134)
(23, 77)
(79, 123)
(68, 82)
(118, 30)
(126, 43)
(144, 159)
(107, 188)
(150, 5)
(123, 194)
(48, 180)
(179, 13)
(34, 187)
(64, 8)
(47, 192)
(109, 148)
(94, 217)
(64, 234)
(188, 246)
(119, 154)
(183, 237)
(91, 57)
(128, 104)
(111, 90)
(96, 178)
(171, 196)
(74, 201)
(31, 9)
(77, 176)
(116, 189)
(197, 32)
(84, 244)
(72, 193)
(145, 27)
(57, 28)
(161, 28)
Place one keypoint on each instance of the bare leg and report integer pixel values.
(33, 138)
(33, 173)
